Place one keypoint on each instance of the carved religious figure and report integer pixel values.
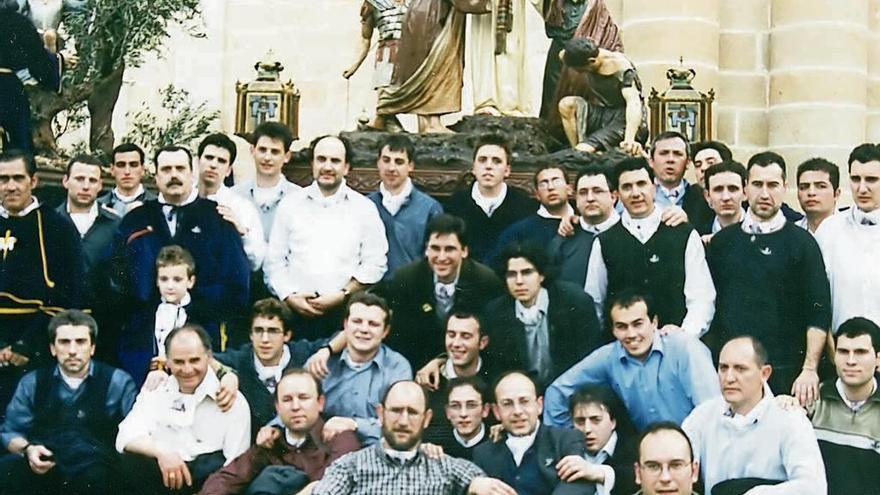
(611, 111)
(428, 75)
(386, 17)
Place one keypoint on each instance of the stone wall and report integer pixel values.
(796, 76)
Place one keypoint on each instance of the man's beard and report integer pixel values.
(413, 440)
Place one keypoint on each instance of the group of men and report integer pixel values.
(647, 335)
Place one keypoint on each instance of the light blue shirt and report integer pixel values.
(675, 197)
(677, 376)
(354, 393)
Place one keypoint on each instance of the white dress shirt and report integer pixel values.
(852, 261)
(188, 424)
(752, 225)
(473, 441)
(699, 290)
(394, 202)
(168, 317)
(246, 214)
(716, 224)
(768, 442)
(35, 203)
(84, 221)
(488, 205)
(271, 375)
(603, 455)
(597, 229)
(319, 244)
(169, 211)
(519, 445)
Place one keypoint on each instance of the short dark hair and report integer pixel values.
(272, 308)
(858, 326)
(219, 140)
(13, 155)
(598, 394)
(475, 381)
(346, 144)
(629, 297)
(445, 224)
(531, 252)
(174, 255)
(298, 372)
(722, 149)
(83, 159)
(398, 382)
(173, 148)
(274, 131)
(761, 355)
(731, 166)
(578, 51)
(665, 426)
(631, 165)
(466, 315)
(864, 153)
(398, 142)
(369, 299)
(189, 328)
(765, 159)
(594, 169)
(820, 165)
(126, 148)
(548, 165)
(667, 135)
(73, 317)
(493, 140)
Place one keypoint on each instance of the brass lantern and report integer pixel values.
(266, 99)
(681, 107)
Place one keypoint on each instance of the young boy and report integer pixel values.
(143, 343)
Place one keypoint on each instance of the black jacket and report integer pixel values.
(417, 331)
(574, 330)
(551, 445)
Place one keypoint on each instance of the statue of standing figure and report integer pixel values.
(428, 76)
(386, 17)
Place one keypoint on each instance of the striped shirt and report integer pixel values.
(371, 471)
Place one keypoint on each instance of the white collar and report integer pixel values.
(208, 388)
(678, 190)
(221, 191)
(752, 225)
(488, 205)
(294, 442)
(518, 445)
(264, 372)
(83, 221)
(403, 194)
(448, 370)
(544, 213)
(35, 203)
(401, 456)
(716, 224)
(642, 228)
(854, 405)
(357, 367)
(473, 441)
(606, 452)
(606, 224)
(128, 199)
(72, 382)
(193, 195)
(185, 300)
(858, 215)
(314, 193)
(93, 210)
(542, 302)
(740, 421)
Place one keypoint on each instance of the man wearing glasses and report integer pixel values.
(271, 352)
(666, 462)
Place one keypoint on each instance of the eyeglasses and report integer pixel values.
(271, 332)
(656, 468)
(555, 182)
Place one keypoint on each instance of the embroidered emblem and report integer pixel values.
(654, 259)
(196, 230)
(766, 251)
(7, 243)
(426, 308)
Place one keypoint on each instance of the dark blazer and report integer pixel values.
(551, 445)
(625, 455)
(484, 231)
(694, 204)
(259, 398)
(574, 330)
(417, 331)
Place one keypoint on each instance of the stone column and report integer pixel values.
(872, 132)
(656, 34)
(818, 78)
(741, 105)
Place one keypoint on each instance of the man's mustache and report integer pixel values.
(174, 182)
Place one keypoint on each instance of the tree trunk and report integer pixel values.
(101, 104)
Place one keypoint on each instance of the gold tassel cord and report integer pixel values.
(49, 282)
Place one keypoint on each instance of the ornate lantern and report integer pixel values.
(681, 107)
(267, 99)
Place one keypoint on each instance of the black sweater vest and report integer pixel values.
(655, 268)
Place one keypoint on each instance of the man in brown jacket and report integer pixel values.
(298, 457)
